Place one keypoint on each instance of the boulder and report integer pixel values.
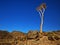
(18, 35)
(32, 34)
(5, 35)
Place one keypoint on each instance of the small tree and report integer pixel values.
(41, 10)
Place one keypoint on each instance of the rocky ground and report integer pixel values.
(32, 37)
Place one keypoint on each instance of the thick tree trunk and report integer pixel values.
(41, 25)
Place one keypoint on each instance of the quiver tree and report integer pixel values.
(41, 10)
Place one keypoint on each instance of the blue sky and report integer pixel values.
(21, 15)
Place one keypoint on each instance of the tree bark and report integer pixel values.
(41, 24)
